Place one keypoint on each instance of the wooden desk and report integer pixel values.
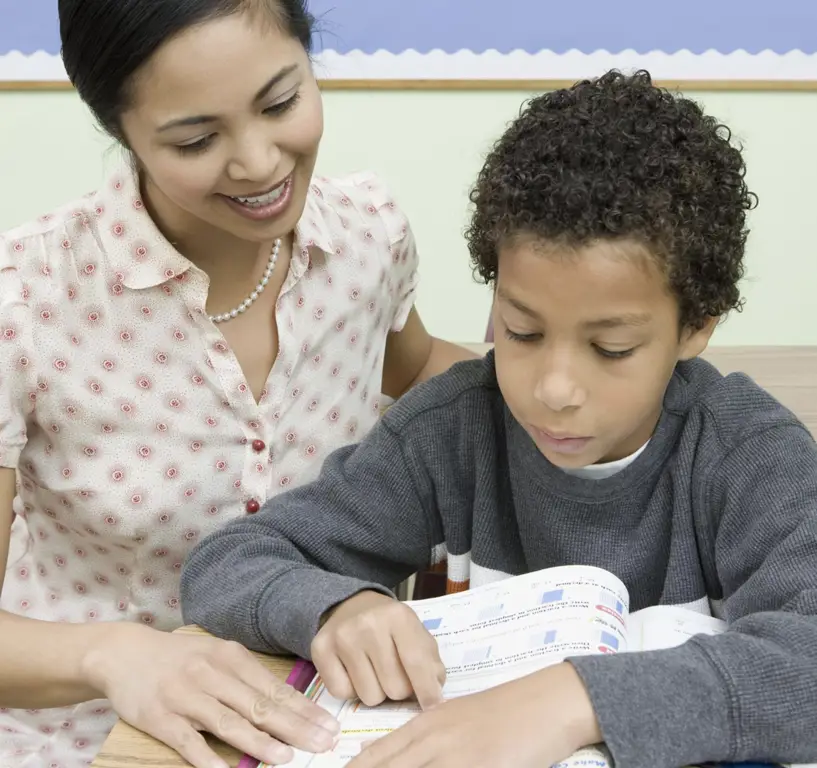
(128, 748)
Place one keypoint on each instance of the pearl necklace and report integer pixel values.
(259, 289)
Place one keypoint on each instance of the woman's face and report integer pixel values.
(226, 120)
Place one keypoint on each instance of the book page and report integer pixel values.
(491, 635)
(589, 757)
(504, 630)
(666, 626)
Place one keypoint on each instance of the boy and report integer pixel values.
(610, 220)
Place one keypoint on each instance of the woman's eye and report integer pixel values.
(196, 146)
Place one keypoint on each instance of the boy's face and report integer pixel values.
(586, 343)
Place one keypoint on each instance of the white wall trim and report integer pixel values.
(491, 65)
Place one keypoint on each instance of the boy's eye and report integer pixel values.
(613, 354)
(609, 354)
(522, 337)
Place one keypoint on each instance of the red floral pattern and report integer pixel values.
(119, 398)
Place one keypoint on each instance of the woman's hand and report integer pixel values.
(174, 686)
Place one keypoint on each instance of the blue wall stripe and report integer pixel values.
(530, 25)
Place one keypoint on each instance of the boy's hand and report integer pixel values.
(533, 722)
(374, 647)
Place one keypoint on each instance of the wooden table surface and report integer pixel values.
(128, 748)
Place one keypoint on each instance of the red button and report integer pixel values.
(258, 445)
(253, 506)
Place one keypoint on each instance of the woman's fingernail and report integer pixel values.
(330, 724)
(279, 754)
(322, 741)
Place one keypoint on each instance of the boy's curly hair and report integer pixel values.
(619, 158)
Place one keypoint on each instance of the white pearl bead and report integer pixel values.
(259, 289)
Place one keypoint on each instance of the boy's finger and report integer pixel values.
(334, 675)
(390, 672)
(364, 678)
(421, 661)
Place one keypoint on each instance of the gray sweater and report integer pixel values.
(722, 505)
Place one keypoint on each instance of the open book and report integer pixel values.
(502, 631)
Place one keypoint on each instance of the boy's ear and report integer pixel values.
(695, 340)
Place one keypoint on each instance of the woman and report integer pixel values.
(174, 349)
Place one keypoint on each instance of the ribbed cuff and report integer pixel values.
(288, 611)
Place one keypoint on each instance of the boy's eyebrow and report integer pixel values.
(631, 319)
(201, 119)
(628, 319)
(517, 305)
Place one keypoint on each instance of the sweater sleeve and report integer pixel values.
(368, 522)
(749, 693)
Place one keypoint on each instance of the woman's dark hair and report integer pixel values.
(619, 158)
(104, 42)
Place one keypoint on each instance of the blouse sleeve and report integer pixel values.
(405, 261)
(406, 264)
(18, 379)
